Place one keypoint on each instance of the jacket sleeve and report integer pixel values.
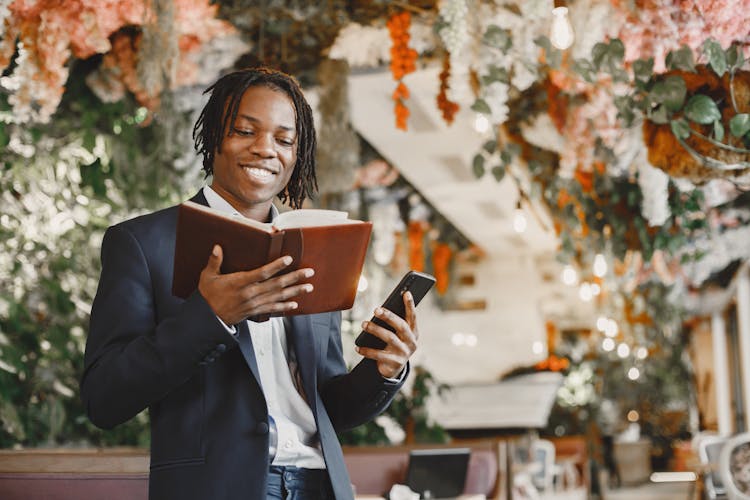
(356, 397)
(131, 361)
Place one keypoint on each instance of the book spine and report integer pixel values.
(274, 248)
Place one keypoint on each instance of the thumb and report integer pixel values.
(214, 260)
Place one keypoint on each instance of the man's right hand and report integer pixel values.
(236, 296)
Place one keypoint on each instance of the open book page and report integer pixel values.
(311, 217)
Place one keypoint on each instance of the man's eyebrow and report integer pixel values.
(255, 120)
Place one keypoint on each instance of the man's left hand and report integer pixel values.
(400, 345)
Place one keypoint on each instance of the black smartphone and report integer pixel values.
(415, 282)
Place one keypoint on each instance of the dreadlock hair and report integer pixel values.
(219, 114)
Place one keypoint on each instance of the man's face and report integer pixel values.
(258, 158)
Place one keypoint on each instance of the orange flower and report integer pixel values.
(416, 232)
(441, 258)
(403, 62)
(447, 107)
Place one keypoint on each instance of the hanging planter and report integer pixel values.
(707, 137)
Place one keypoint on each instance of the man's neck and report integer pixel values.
(260, 212)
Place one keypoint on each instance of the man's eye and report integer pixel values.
(240, 131)
(286, 142)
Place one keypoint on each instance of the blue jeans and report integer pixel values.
(294, 483)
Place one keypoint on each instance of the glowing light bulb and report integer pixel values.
(585, 293)
(363, 284)
(561, 35)
(600, 266)
(608, 344)
(519, 220)
(481, 124)
(623, 350)
(569, 275)
(634, 373)
(611, 329)
(601, 323)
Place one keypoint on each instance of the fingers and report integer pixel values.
(411, 313)
(264, 272)
(400, 344)
(213, 266)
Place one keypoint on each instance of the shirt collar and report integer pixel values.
(216, 202)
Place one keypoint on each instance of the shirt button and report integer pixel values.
(288, 445)
(262, 351)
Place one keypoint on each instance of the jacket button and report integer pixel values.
(221, 348)
(261, 428)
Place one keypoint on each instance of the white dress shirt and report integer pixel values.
(298, 443)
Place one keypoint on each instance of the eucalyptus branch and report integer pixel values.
(525, 197)
(731, 91)
(413, 8)
(719, 144)
(710, 162)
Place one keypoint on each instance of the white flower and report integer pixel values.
(654, 185)
(454, 34)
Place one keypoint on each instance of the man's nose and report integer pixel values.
(263, 146)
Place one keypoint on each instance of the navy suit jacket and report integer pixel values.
(209, 418)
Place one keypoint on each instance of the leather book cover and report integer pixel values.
(336, 252)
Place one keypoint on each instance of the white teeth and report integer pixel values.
(258, 172)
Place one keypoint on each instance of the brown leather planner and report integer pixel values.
(334, 247)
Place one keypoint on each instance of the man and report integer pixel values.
(239, 409)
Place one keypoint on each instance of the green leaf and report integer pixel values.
(505, 157)
(496, 74)
(584, 68)
(702, 109)
(739, 125)
(643, 69)
(554, 58)
(671, 92)
(659, 115)
(681, 59)
(543, 42)
(598, 54)
(616, 50)
(620, 75)
(718, 131)
(497, 37)
(514, 148)
(481, 106)
(624, 105)
(498, 172)
(735, 57)
(477, 166)
(680, 128)
(490, 146)
(716, 56)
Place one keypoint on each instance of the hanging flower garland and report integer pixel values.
(47, 33)
(441, 259)
(416, 231)
(403, 62)
(447, 107)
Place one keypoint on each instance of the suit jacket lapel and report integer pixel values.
(303, 339)
(199, 198)
(246, 346)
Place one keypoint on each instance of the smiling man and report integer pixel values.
(239, 409)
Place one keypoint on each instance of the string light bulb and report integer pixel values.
(481, 123)
(600, 266)
(561, 33)
(519, 219)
